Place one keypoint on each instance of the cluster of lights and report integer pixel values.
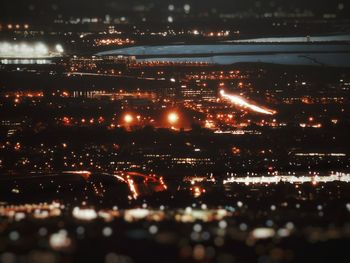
(37, 211)
(24, 50)
(148, 180)
(127, 119)
(114, 41)
(312, 178)
(17, 26)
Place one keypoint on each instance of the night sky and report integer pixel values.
(36, 10)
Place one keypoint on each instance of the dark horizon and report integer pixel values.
(37, 10)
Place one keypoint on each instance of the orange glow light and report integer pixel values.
(173, 117)
(128, 118)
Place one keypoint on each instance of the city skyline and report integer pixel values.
(174, 131)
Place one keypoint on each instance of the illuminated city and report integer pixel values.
(174, 131)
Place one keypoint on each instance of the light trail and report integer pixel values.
(84, 174)
(137, 181)
(132, 188)
(241, 102)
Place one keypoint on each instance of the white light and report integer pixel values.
(222, 224)
(170, 19)
(59, 48)
(243, 103)
(197, 228)
(348, 207)
(171, 7)
(187, 8)
(60, 240)
(283, 232)
(153, 229)
(40, 49)
(84, 214)
(23, 50)
(107, 231)
(14, 235)
(338, 177)
(135, 214)
(263, 233)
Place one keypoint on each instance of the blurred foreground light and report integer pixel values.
(171, 7)
(263, 233)
(348, 206)
(7, 257)
(170, 19)
(153, 229)
(107, 231)
(60, 240)
(84, 214)
(135, 214)
(14, 236)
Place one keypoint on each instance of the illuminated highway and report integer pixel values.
(242, 103)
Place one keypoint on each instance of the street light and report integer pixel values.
(173, 118)
(128, 118)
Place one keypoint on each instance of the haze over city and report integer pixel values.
(174, 131)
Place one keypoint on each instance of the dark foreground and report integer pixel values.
(187, 222)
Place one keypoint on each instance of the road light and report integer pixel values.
(128, 118)
(173, 118)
